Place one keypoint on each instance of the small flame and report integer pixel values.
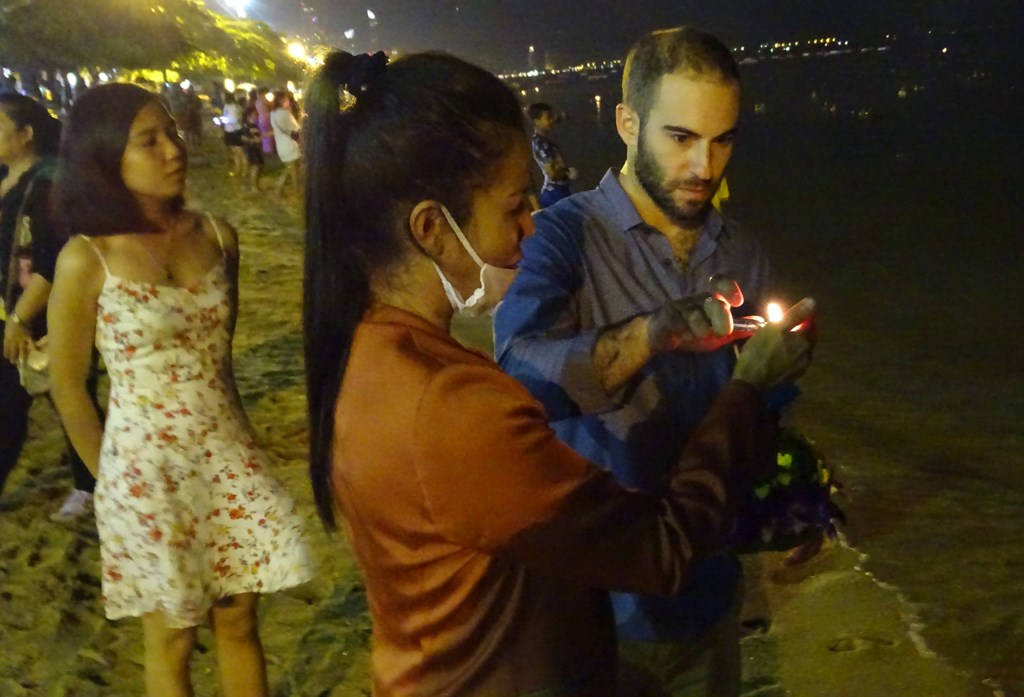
(774, 312)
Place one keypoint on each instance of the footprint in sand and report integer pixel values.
(843, 644)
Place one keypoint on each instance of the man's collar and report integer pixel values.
(622, 213)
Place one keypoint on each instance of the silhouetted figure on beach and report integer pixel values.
(557, 175)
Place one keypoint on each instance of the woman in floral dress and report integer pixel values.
(191, 525)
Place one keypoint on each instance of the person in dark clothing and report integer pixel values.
(29, 242)
(558, 176)
(252, 144)
(190, 118)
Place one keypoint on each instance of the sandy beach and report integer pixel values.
(826, 628)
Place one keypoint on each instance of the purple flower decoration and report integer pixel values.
(794, 504)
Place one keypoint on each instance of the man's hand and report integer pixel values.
(698, 323)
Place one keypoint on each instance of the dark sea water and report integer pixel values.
(889, 185)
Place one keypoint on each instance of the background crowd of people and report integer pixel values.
(260, 124)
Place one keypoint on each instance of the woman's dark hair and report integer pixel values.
(89, 196)
(378, 140)
(279, 97)
(25, 111)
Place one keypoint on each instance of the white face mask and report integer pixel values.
(494, 281)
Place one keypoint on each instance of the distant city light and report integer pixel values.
(350, 34)
(104, 77)
(185, 84)
(808, 48)
(370, 15)
(72, 79)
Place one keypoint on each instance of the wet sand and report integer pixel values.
(824, 629)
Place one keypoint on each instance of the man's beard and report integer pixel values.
(652, 179)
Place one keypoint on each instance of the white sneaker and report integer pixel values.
(77, 504)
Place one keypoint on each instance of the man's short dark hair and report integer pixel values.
(538, 109)
(666, 51)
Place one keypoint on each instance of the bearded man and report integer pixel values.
(592, 327)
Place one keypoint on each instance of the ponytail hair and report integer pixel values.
(378, 139)
(331, 273)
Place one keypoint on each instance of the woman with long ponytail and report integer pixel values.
(486, 543)
(331, 271)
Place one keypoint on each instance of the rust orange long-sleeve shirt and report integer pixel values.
(486, 543)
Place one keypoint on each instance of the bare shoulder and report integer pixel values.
(79, 266)
(212, 225)
(80, 256)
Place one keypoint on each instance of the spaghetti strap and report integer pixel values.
(216, 229)
(106, 269)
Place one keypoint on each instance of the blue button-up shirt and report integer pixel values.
(594, 262)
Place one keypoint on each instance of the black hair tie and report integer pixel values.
(365, 70)
(353, 74)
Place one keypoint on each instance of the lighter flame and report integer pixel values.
(774, 311)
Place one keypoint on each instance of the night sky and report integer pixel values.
(497, 33)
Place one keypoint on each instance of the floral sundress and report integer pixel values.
(185, 508)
